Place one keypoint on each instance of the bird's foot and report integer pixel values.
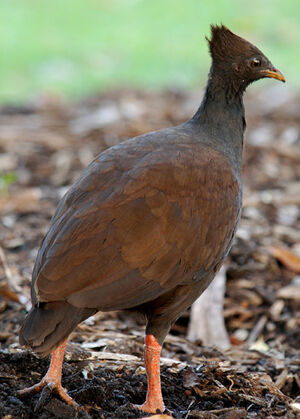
(155, 406)
(48, 386)
(154, 400)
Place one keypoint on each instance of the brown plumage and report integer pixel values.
(150, 221)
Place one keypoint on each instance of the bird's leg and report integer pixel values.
(154, 400)
(52, 380)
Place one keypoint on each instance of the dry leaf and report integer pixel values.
(287, 258)
(6, 292)
(190, 378)
(260, 345)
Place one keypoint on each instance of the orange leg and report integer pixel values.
(52, 380)
(154, 400)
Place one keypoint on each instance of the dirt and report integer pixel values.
(46, 144)
(110, 391)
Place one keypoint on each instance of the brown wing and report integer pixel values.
(141, 219)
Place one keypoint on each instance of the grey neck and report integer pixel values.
(222, 115)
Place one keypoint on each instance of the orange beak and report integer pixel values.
(274, 74)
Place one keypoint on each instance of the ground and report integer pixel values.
(44, 145)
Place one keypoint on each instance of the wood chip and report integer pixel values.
(281, 379)
(291, 292)
(256, 331)
(295, 406)
(112, 356)
(23, 201)
(158, 417)
(276, 309)
(253, 399)
(226, 413)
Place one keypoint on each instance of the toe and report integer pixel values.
(151, 407)
(33, 389)
(65, 397)
(46, 387)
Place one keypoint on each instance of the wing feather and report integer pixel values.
(138, 222)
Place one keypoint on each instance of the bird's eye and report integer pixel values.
(255, 62)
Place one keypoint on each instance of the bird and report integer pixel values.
(148, 223)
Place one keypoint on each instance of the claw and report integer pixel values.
(147, 407)
(48, 386)
(52, 381)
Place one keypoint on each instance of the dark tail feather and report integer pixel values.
(48, 325)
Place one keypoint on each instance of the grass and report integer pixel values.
(74, 47)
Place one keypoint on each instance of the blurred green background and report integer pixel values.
(75, 47)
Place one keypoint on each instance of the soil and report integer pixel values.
(44, 145)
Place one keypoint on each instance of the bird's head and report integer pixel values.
(238, 59)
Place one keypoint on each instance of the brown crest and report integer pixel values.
(225, 45)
